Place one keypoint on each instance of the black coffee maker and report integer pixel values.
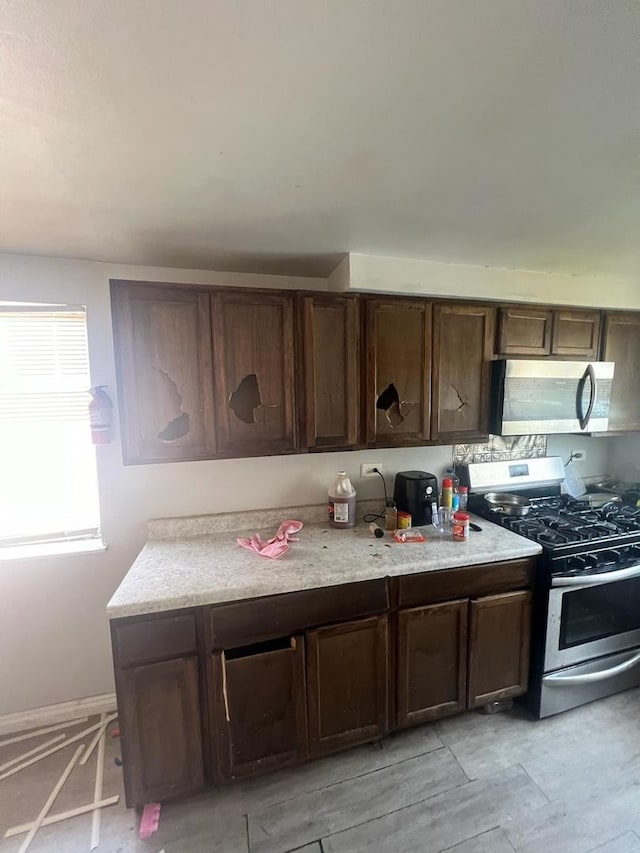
(414, 492)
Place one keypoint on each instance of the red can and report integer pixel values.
(460, 526)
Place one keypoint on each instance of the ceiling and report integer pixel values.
(275, 135)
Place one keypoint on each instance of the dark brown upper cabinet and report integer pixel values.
(621, 344)
(524, 331)
(162, 339)
(564, 332)
(576, 333)
(254, 372)
(398, 371)
(329, 334)
(462, 349)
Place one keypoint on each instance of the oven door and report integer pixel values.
(592, 616)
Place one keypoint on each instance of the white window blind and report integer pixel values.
(48, 481)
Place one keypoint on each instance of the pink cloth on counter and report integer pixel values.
(278, 545)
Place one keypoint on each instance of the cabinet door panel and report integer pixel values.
(162, 338)
(432, 662)
(500, 627)
(576, 333)
(462, 347)
(260, 699)
(254, 372)
(347, 684)
(524, 331)
(331, 378)
(161, 738)
(622, 345)
(398, 371)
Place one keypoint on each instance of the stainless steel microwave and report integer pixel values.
(547, 396)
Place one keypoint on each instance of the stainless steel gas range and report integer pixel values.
(586, 628)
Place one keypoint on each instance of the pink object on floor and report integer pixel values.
(150, 820)
(276, 546)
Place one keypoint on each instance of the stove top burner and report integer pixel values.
(549, 536)
(558, 521)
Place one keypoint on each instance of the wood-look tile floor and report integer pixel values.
(468, 784)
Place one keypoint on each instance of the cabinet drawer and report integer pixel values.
(490, 578)
(145, 640)
(257, 619)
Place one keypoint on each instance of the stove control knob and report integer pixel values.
(577, 564)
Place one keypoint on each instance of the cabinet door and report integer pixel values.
(524, 331)
(260, 701)
(347, 684)
(398, 371)
(622, 345)
(160, 725)
(432, 662)
(462, 350)
(331, 376)
(253, 346)
(500, 627)
(162, 338)
(576, 333)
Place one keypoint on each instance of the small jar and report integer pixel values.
(463, 491)
(404, 520)
(460, 526)
(391, 517)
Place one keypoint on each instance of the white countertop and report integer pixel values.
(212, 569)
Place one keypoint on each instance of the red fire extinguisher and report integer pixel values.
(100, 415)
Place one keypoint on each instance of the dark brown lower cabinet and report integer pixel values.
(260, 706)
(432, 662)
(500, 628)
(159, 707)
(211, 694)
(347, 683)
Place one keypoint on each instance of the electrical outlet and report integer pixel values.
(366, 469)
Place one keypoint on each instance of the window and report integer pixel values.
(48, 478)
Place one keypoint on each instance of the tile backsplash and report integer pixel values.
(498, 448)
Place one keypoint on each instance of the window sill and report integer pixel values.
(51, 549)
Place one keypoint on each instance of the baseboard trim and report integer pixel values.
(60, 713)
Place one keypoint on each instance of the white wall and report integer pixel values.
(596, 449)
(53, 633)
(625, 458)
(377, 273)
(54, 642)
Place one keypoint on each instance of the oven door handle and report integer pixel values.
(593, 580)
(558, 680)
